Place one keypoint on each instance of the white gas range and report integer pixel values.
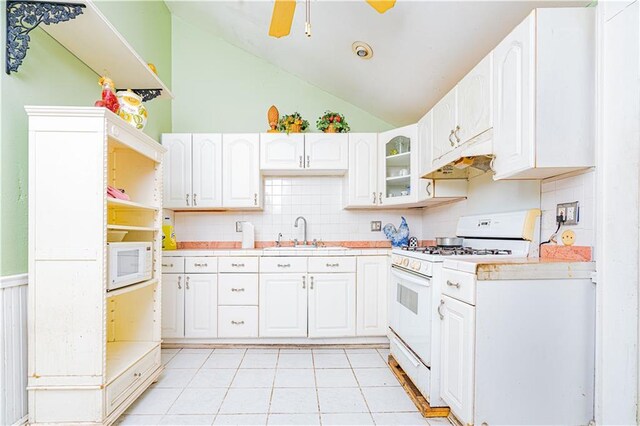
(416, 288)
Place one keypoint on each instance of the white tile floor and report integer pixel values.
(271, 386)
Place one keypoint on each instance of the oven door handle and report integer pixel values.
(420, 280)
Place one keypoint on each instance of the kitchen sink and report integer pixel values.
(305, 248)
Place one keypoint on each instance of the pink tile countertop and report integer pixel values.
(274, 252)
(518, 268)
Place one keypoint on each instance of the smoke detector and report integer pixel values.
(362, 50)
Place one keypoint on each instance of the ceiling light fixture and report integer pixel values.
(362, 50)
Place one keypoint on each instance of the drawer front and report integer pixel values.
(283, 264)
(332, 264)
(238, 321)
(238, 264)
(238, 289)
(172, 265)
(205, 265)
(123, 386)
(405, 358)
(459, 285)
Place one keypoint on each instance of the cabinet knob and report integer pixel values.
(452, 284)
(452, 142)
(332, 265)
(308, 161)
(374, 197)
(380, 198)
(179, 279)
(195, 203)
(167, 265)
(304, 282)
(237, 322)
(285, 265)
(455, 133)
(186, 283)
(428, 188)
(311, 283)
(300, 164)
(201, 264)
(239, 290)
(255, 199)
(237, 265)
(187, 199)
(439, 309)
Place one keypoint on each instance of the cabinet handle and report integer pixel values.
(239, 290)
(194, 199)
(186, 283)
(286, 265)
(450, 141)
(380, 198)
(237, 265)
(187, 199)
(167, 265)
(237, 322)
(374, 197)
(255, 199)
(311, 283)
(179, 279)
(332, 265)
(301, 165)
(201, 264)
(308, 161)
(304, 282)
(452, 284)
(439, 311)
(455, 133)
(428, 189)
(137, 374)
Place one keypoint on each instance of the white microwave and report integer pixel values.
(129, 263)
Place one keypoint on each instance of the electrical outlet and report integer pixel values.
(376, 225)
(570, 212)
(238, 226)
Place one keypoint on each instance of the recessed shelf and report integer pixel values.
(130, 288)
(403, 159)
(132, 228)
(122, 355)
(117, 203)
(399, 179)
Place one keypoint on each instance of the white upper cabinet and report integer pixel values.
(362, 180)
(177, 170)
(279, 151)
(207, 170)
(444, 125)
(474, 102)
(200, 305)
(332, 305)
(544, 95)
(242, 185)
(398, 162)
(283, 305)
(425, 140)
(326, 151)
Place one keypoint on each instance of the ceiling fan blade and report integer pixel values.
(282, 18)
(381, 5)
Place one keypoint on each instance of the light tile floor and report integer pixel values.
(276, 387)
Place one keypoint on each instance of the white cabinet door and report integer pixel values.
(425, 140)
(283, 305)
(398, 163)
(201, 305)
(514, 85)
(332, 305)
(363, 170)
(172, 305)
(207, 170)
(326, 151)
(176, 167)
(279, 151)
(474, 101)
(371, 295)
(444, 124)
(457, 357)
(241, 170)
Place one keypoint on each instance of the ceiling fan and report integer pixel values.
(283, 10)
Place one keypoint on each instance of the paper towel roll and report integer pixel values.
(248, 235)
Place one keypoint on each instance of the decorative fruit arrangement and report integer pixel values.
(292, 123)
(109, 99)
(332, 122)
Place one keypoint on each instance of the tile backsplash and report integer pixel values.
(317, 198)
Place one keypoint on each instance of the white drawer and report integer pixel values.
(459, 285)
(201, 264)
(237, 289)
(238, 321)
(172, 265)
(283, 264)
(238, 264)
(332, 264)
(123, 386)
(409, 363)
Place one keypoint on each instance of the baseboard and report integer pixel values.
(22, 421)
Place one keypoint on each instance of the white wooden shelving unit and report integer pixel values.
(92, 352)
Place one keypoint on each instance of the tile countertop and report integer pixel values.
(519, 268)
(283, 252)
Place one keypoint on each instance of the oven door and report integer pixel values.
(411, 311)
(127, 265)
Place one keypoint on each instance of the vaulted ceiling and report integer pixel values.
(421, 48)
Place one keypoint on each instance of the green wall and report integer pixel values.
(221, 88)
(50, 75)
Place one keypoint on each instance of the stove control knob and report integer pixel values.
(405, 262)
(415, 266)
(396, 260)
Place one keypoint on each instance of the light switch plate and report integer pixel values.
(570, 211)
(376, 225)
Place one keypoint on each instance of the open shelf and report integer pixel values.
(132, 228)
(398, 180)
(122, 355)
(130, 288)
(118, 203)
(403, 159)
(96, 42)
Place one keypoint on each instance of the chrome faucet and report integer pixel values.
(305, 242)
(279, 240)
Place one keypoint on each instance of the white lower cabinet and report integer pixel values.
(172, 305)
(371, 295)
(283, 305)
(457, 355)
(237, 321)
(332, 305)
(200, 303)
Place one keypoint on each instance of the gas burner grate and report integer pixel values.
(458, 251)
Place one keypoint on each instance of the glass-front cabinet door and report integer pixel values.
(398, 168)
